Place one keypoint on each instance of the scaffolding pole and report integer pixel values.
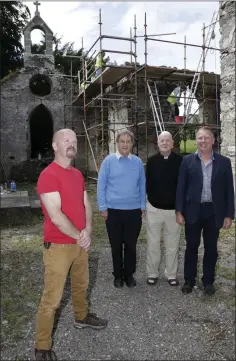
(101, 83)
(205, 47)
(98, 94)
(102, 98)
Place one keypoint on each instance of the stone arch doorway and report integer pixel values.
(41, 132)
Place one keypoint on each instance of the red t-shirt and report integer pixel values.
(69, 182)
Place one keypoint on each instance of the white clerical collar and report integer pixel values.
(118, 155)
(165, 156)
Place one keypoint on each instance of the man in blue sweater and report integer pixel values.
(121, 194)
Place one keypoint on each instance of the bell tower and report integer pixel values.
(40, 60)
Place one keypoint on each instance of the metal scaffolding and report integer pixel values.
(97, 90)
(186, 76)
(93, 85)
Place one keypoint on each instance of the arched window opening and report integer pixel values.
(38, 41)
(41, 132)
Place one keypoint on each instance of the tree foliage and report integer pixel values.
(14, 17)
(73, 56)
(38, 48)
(63, 63)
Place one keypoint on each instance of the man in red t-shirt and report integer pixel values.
(67, 237)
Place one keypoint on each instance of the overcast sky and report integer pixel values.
(74, 20)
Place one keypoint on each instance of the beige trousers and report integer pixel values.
(156, 220)
(59, 260)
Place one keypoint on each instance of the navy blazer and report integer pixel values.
(190, 184)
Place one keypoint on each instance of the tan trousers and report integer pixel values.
(156, 220)
(58, 260)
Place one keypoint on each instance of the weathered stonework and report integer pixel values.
(19, 104)
(227, 105)
(116, 115)
(46, 60)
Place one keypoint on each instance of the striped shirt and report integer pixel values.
(207, 173)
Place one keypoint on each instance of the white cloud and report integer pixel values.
(75, 20)
(186, 19)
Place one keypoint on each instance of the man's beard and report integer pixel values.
(71, 153)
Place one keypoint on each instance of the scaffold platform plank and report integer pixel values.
(110, 76)
(91, 91)
(169, 73)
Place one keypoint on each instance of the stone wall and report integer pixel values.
(28, 170)
(17, 103)
(227, 105)
(117, 114)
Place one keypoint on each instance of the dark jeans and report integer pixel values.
(174, 109)
(205, 223)
(123, 227)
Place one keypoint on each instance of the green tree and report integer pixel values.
(62, 62)
(39, 48)
(14, 16)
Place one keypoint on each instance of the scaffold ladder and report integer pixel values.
(156, 107)
(197, 75)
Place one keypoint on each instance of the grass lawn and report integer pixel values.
(190, 146)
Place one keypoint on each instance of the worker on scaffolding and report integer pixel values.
(174, 101)
(83, 84)
(99, 63)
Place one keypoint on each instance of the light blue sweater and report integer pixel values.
(121, 183)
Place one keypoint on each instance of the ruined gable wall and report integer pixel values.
(17, 103)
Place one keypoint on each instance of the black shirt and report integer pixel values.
(161, 180)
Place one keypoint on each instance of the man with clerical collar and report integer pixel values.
(161, 182)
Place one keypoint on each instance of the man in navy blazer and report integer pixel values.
(204, 202)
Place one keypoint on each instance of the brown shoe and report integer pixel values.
(91, 320)
(45, 355)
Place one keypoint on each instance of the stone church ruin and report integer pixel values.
(38, 100)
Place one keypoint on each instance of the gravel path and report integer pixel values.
(145, 323)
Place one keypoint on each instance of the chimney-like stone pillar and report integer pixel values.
(227, 103)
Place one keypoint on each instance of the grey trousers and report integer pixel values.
(158, 220)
